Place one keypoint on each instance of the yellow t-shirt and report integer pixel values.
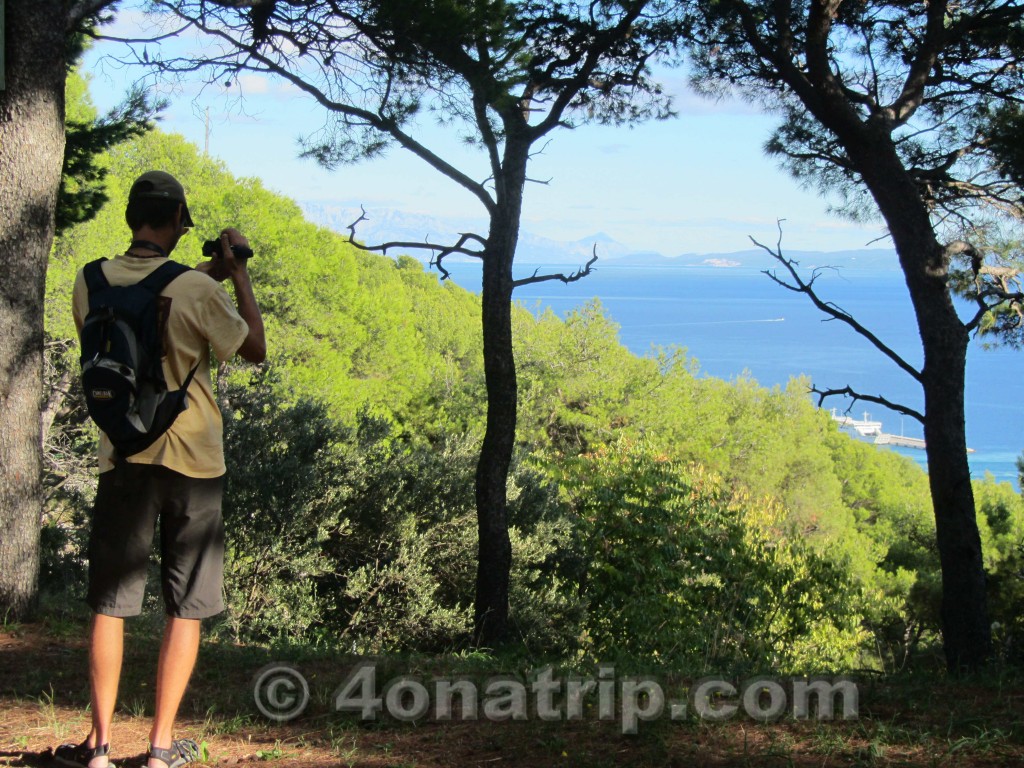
(201, 317)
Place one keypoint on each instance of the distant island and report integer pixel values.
(383, 225)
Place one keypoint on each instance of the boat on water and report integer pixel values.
(863, 427)
(870, 431)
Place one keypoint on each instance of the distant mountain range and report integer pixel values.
(383, 225)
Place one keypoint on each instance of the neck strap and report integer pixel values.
(149, 246)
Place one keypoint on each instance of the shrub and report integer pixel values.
(680, 571)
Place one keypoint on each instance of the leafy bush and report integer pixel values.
(680, 571)
(412, 583)
(287, 482)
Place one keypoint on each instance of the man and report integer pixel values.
(178, 479)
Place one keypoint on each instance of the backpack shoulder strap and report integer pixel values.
(162, 276)
(95, 280)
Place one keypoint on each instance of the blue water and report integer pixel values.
(735, 321)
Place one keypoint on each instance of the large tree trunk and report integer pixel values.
(31, 154)
(967, 637)
(495, 548)
(966, 631)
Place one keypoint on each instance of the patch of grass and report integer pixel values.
(983, 742)
(55, 721)
(827, 740)
(226, 724)
(344, 745)
(135, 706)
(889, 733)
(64, 626)
(9, 625)
(275, 753)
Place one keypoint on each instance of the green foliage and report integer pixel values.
(408, 569)
(579, 386)
(889, 498)
(680, 571)
(87, 137)
(284, 498)
(991, 275)
(1007, 597)
(406, 572)
(1001, 522)
(1004, 127)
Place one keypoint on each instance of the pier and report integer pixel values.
(871, 432)
(905, 442)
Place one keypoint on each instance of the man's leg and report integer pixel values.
(120, 539)
(106, 648)
(177, 658)
(191, 570)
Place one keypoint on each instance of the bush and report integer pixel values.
(414, 529)
(679, 571)
(287, 483)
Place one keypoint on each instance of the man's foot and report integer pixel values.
(182, 752)
(83, 756)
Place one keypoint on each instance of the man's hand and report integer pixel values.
(225, 265)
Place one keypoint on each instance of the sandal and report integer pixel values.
(80, 755)
(182, 751)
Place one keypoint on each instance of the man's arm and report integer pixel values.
(224, 266)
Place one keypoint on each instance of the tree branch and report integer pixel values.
(917, 77)
(857, 396)
(257, 61)
(1003, 297)
(435, 261)
(829, 308)
(579, 274)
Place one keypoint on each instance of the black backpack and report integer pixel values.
(122, 373)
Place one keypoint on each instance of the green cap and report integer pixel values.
(160, 185)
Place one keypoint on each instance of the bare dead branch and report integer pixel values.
(99, 36)
(579, 274)
(829, 308)
(441, 250)
(878, 239)
(857, 396)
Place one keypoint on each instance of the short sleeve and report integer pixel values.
(223, 326)
(79, 301)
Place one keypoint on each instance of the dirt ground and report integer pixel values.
(44, 702)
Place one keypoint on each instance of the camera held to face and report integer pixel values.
(212, 248)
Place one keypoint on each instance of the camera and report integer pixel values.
(212, 248)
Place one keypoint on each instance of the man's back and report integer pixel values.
(197, 316)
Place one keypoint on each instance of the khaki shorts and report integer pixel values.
(129, 501)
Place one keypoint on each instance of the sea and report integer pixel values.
(736, 322)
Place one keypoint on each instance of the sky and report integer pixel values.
(698, 183)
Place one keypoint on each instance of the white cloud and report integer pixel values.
(253, 83)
